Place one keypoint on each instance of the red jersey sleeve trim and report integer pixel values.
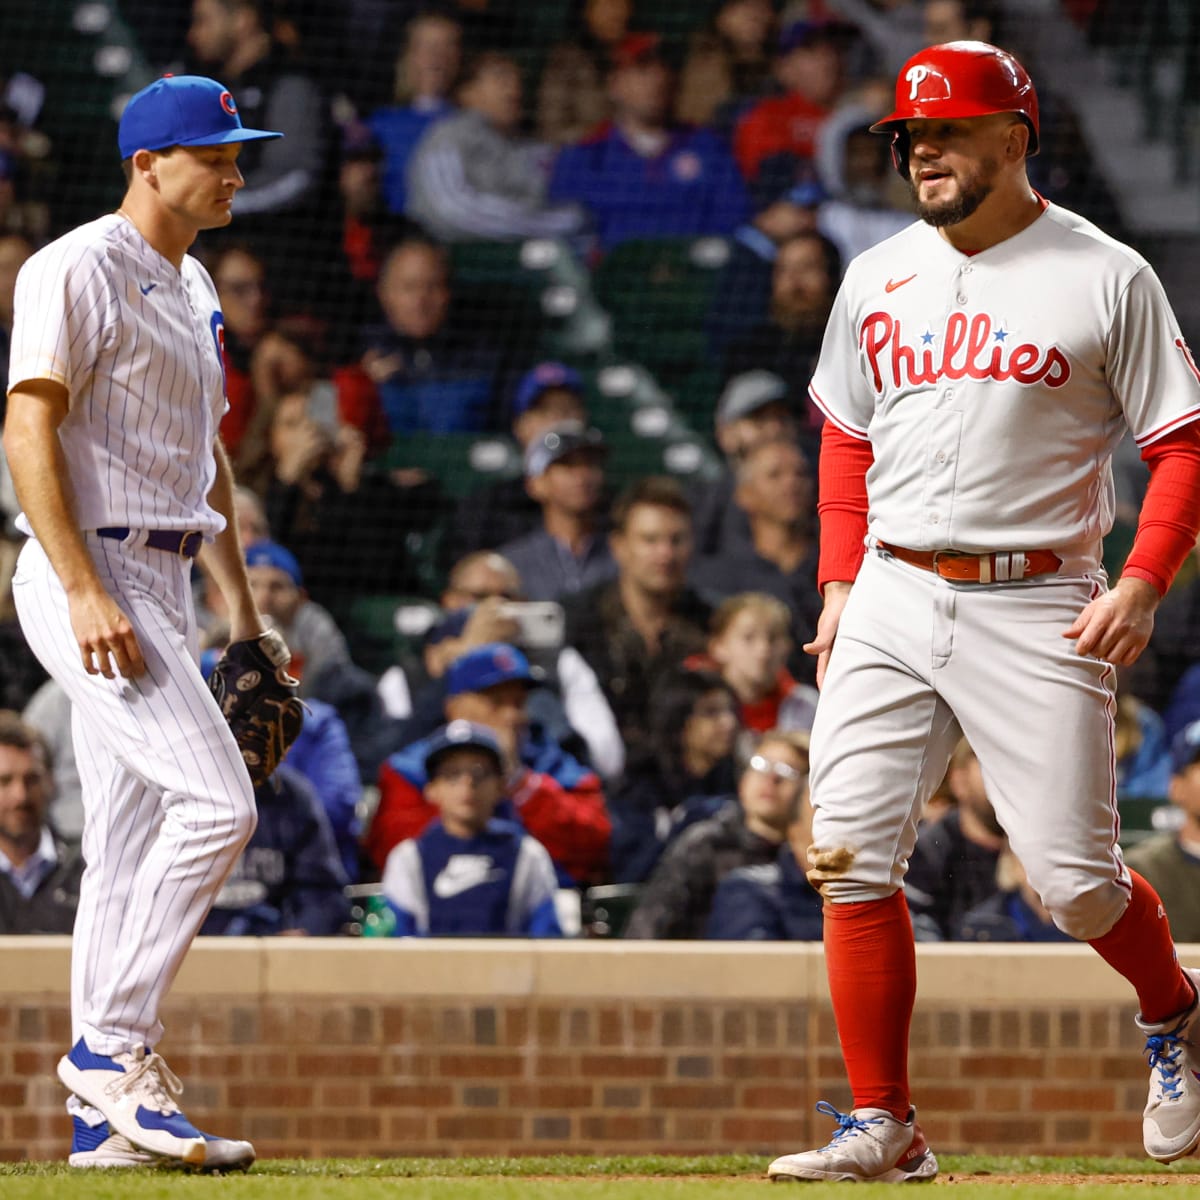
(853, 430)
(1176, 423)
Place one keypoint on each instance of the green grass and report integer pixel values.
(730, 1177)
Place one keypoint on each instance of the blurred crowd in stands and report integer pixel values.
(551, 690)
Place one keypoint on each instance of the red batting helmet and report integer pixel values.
(958, 79)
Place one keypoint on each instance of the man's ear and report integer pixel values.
(1017, 146)
(143, 165)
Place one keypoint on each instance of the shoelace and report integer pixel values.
(156, 1081)
(847, 1122)
(1163, 1051)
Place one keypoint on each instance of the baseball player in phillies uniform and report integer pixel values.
(977, 372)
(115, 394)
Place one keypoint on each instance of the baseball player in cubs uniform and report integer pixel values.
(977, 372)
(115, 392)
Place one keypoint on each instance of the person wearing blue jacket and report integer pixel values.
(469, 874)
(769, 903)
(322, 754)
(640, 176)
(289, 879)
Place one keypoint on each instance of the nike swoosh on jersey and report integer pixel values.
(151, 286)
(463, 872)
(893, 284)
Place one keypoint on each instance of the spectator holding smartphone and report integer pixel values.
(551, 793)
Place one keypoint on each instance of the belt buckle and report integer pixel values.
(938, 555)
(186, 544)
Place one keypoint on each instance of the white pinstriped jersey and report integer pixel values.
(995, 387)
(136, 344)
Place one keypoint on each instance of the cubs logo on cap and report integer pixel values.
(462, 735)
(183, 110)
(485, 667)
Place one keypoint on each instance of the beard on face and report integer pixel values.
(973, 190)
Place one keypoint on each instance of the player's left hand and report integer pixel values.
(1115, 627)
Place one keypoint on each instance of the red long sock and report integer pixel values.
(1139, 946)
(872, 966)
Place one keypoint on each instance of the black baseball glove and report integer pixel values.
(258, 698)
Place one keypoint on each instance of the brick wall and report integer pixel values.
(332, 1048)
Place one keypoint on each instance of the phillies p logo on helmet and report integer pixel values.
(915, 76)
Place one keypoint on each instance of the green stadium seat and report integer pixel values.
(463, 462)
(387, 629)
(1143, 817)
(658, 293)
(549, 279)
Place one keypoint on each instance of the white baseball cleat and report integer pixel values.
(870, 1146)
(95, 1146)
(1171, 1119)
(136, 1093)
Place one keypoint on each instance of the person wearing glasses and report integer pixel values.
(748, 832)
(773, 903)
(469, 874)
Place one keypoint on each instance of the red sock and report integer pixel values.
(1139, 946)
(872, 966)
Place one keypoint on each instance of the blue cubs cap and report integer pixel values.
(541, 379)
(462, 735)
(272, 554)
(1185, 748)
(183, 110)
(485, 667)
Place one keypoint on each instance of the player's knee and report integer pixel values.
(1087, 913)
(246, 819)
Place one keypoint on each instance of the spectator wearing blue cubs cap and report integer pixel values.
(567, 707)
(564, 473)
(546, 394)
(469, 873)
(1170, 860)
(310, 631)
(549, 792)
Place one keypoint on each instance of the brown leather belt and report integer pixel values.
(1005, 566)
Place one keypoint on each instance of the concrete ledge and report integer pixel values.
(593, 970)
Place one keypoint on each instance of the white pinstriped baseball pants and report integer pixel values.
(917, 660)
(167, 801)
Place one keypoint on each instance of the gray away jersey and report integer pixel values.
(994, 388)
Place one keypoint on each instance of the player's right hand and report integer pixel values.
(836, 595)
(107, 643)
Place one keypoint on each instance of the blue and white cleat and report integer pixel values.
(869, 1146)
(96, 1146)
(136, 1093)
(1171, 1119)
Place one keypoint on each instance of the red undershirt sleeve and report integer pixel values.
(842, 506)
(1170, 516)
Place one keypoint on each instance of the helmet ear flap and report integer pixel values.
(901, 143)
